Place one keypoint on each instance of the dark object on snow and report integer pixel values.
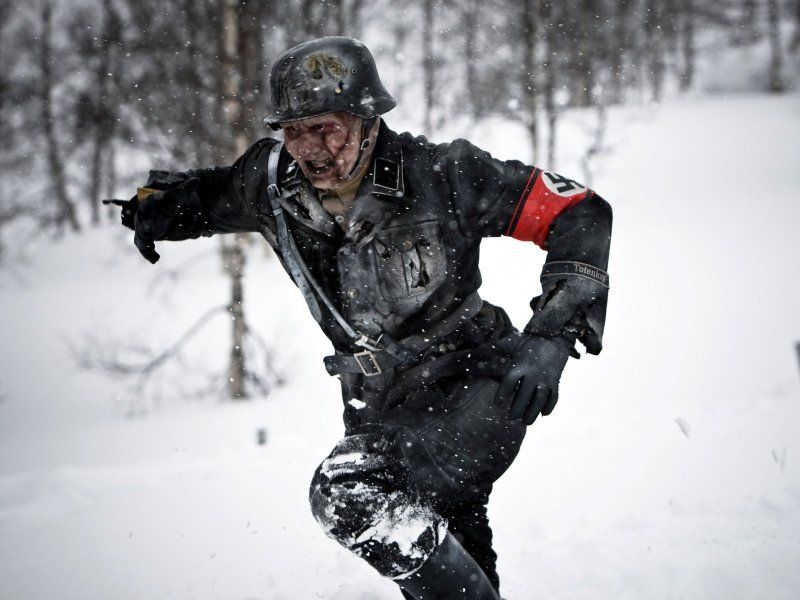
(326, 75)
(261, 436)
(797, 350)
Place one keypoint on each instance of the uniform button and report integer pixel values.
(352, 293)
(444, 347)
(339, 218)
(406, 245)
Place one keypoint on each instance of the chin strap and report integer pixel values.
(366, 128)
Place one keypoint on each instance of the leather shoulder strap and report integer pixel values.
(311, 290)
(284, 236)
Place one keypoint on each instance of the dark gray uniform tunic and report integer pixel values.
(407, 257)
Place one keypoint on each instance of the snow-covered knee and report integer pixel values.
(356, 499)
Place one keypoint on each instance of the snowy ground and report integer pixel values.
(670, 469)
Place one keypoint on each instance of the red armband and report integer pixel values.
(545, 196)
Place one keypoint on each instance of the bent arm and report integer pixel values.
(558, 214)
(574, 277)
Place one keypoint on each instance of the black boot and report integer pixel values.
(450, 573)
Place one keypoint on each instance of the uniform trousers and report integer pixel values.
(395, 485)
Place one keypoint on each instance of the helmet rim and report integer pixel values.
(326, 75)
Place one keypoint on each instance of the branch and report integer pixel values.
(597, 145)
(88, 361)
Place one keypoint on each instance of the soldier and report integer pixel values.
(381, 232)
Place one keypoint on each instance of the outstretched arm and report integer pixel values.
(199, 202)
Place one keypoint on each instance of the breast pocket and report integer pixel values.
(410, 260)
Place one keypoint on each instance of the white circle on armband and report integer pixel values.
(562, 186)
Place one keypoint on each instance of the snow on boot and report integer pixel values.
(450, 573)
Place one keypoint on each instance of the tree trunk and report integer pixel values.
(428, 65)
(549, 78)
(65, 208)
(654, 38)
(96, 170)
(631, 20)
(530, 100)
(776, 82)
(234, 143)
(615, 46)
(355, 23)
(312, 24)
(205, 130)
(104, 118)
(795, 45)
(669, 19)
(111, 180)
(340, 16)
(234, 260)
(748, 31)
(252, 70)
(584, 77)
(471, 8)
(346, 17)
(687, 45)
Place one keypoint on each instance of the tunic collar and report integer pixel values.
(385, 175)
(378, 198)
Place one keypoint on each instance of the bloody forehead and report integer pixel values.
(337, 118)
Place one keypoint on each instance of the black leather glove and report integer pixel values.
(530, 386)
(167, 208)
(145, 228)
(129, 208)
(157, 214)
(143, 232)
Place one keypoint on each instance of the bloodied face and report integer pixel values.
(325, 147)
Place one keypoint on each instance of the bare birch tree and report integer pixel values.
(428, 65)
(687, 36)
(65, 208)
(103, 113)
(795, 44)
(530, 91)
(776, 77)
(232, 144)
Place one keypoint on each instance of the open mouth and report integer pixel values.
(319, 167)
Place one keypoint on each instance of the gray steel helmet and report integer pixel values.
(329, 74)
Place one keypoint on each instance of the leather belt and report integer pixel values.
(374, 362)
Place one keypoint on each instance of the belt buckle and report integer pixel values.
(370, 367)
